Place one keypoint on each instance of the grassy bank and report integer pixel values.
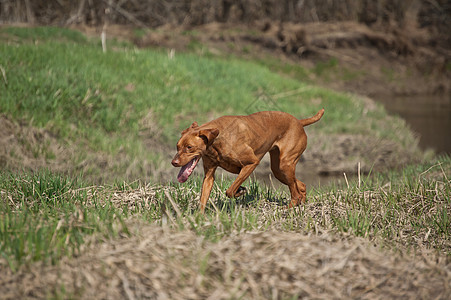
(46, 216)
(130, 104)
(58, 78)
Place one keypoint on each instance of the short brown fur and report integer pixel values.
(238, 143)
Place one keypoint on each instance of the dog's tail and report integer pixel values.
(315, 118)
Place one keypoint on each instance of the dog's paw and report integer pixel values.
(296, 202)
(240, 192)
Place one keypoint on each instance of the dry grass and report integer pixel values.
(409, 214)
(160, 263)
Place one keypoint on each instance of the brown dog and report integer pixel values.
(238, 143)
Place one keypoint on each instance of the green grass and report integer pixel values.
(409, 208)
(44, 216)
(39, 34)
(64, 82)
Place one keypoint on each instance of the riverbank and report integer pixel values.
(409, 66)
(104, 115)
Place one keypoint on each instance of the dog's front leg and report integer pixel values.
(209, 179)
(233, 190)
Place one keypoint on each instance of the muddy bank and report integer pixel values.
(24, 147)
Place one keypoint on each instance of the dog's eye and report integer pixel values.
(189, 147)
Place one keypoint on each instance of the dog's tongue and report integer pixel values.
(186, 170)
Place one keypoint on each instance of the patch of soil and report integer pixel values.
(159, 263)
(26, 147)
(338, 154)
(23, 146)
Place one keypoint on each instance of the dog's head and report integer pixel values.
(193, 143)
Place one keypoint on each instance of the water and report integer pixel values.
(427, 115)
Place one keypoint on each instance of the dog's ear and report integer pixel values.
(194, 125)
(208, 135)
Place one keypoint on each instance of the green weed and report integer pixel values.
(410, 208)
(44, 216)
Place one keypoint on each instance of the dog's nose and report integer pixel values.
(175, 162)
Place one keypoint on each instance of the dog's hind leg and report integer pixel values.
(284, 168)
